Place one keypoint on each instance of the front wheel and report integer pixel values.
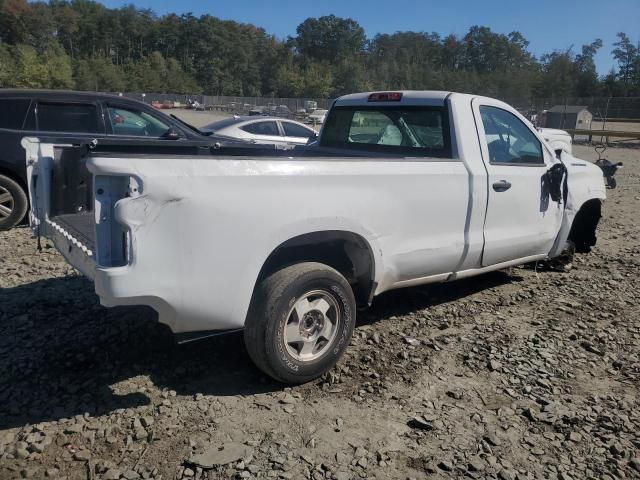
(13, 203)
(300, 322)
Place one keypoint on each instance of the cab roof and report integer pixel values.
(408, 97)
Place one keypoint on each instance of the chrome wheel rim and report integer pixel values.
(7, 203)
(312, 325)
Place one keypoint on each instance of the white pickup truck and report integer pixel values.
(402, 189)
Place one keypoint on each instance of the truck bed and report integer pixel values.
(81, 226)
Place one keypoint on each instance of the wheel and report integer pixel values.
(300, 322)
(13, 203)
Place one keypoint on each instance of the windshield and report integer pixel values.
(416, 131)
(188, 125)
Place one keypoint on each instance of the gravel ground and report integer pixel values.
(518, 374)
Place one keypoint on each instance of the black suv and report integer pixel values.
(118, 123)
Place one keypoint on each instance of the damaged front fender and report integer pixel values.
(585, 193)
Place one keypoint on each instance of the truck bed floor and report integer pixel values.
(81, 226)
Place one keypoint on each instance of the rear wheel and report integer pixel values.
(13, 203)
(300, 322)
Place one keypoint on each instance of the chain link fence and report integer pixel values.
(616, 114)
(610, 108)
(592, 119)
(284, 107)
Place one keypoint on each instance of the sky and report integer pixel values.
(549, 25)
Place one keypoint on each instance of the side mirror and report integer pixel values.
(171, 134)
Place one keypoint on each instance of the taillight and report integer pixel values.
(385, 97)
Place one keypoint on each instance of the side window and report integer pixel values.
(126, 121)
(13, 111)
(262, 128)
(508, 138)
(69, 117)
(293, 130)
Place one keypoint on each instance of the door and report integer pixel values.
(521, 220)
(296, 134)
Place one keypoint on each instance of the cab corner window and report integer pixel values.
(509, 140)
(67, 117)
(130, 122)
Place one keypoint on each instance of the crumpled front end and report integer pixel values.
(585, 193)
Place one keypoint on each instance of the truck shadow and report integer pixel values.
(62, 354)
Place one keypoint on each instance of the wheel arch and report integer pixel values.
(347, 252)
(584, 225)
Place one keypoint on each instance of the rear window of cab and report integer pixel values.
(420, 131)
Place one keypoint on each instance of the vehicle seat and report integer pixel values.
(391, 135)
(499, 151)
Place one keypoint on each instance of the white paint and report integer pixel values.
(522, 221)
(557, 139)
(200, 229)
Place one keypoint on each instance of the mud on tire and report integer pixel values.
(300, 322)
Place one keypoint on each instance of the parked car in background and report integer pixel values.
(263, 130)
(195, 105)
(558, 139)
(283, 111)
(257, 111)
(117, 123)
(317, 117)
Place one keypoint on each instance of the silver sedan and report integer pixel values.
(263, 130)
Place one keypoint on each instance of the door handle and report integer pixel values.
(501, 186)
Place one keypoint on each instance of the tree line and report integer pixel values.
(81, 44)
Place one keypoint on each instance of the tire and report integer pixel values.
(13, 203)
(288, 311)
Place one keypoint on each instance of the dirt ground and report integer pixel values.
(520, 374)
